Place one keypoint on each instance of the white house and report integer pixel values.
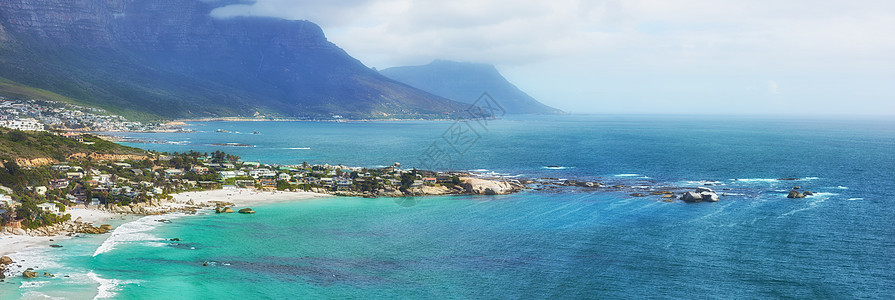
(49, 207)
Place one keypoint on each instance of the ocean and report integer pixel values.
(564, 243)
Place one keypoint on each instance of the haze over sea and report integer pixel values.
(571, 243)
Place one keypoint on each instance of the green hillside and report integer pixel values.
(20, 144)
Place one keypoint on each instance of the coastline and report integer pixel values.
(12, 244)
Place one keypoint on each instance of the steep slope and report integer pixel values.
(465, 82)
(169, 58)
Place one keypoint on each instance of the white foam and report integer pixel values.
(811, 178)
(855, 199)
(755, 179)
(108, 287)
(627, 175)
(132, 232)
(811, 205)
(39, 295)
(823, 195)
(556, 168)
(298, 148)
(842, 187)
(28, 284)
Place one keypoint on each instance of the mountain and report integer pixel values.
(465, 82)
(170, 59)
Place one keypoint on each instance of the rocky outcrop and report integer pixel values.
(246, 211)
(481, 186)
(795, 195)
(702, 194)
(4, 262)
(29, 274)
(90, 229)
(152, 208)
(35, 162)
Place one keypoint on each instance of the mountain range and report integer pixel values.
(466, 82)
(169, 59)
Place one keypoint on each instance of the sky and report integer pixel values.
(793, 57)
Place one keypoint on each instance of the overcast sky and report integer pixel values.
(635, 56)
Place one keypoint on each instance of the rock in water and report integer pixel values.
(795, 195)
(704, 190)
(808, 193)
(246, 211)
(56, 246)
(691, 197)
(29, 274)
(106, 227)
(709, 197)
(227, 210)
(5, 260)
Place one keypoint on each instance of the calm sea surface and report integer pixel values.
(573, 243)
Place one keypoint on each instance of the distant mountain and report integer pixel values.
(170, 59)
(465, 82)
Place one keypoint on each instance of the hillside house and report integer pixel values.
(49, 207)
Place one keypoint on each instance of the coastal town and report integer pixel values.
(38, 195)
(39, 115)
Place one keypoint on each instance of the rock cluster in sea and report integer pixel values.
(701, 194)
(4, 262)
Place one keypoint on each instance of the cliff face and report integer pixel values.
(170, 58)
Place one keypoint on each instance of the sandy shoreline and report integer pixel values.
(10, 244)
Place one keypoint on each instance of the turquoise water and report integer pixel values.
(755, 243)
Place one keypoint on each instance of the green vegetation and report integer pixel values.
(12, 89)
(19, 144)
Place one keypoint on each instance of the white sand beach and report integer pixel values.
(10, 243)
(244, 197)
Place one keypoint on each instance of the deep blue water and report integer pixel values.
(754, 243)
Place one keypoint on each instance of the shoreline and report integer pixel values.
(11, 244)
(14, 243)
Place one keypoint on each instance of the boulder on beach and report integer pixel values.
(29, 274)
(246, 211)
(795, 195)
